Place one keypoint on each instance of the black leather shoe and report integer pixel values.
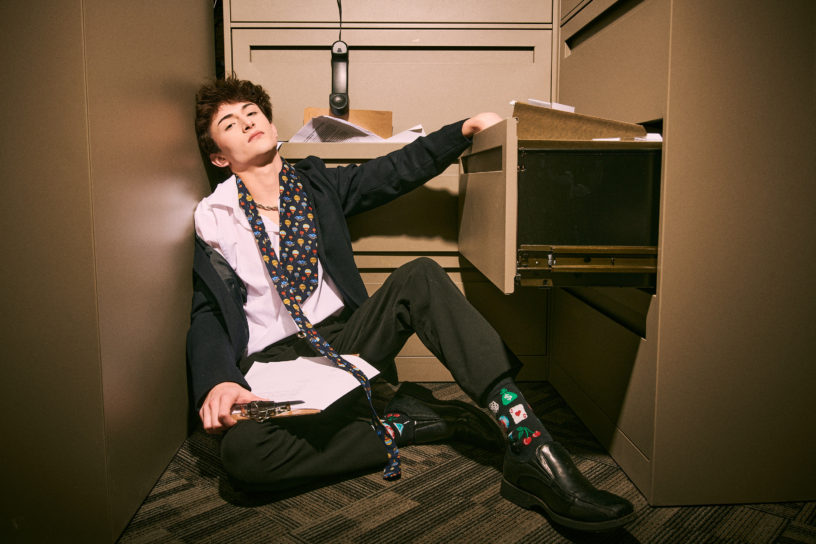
(436, 420)
(550, 480)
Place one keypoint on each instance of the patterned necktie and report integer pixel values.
(295, 278)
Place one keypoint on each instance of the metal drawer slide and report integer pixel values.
(548, 265)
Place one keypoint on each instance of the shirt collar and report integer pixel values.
(226, 195)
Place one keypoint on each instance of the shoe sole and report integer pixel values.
(528, 500)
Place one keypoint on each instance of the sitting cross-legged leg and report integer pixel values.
(285, 453)
(538, 472)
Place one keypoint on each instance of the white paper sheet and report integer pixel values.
(650, 137)
(407, 136)
(545, 104)
(314, 380)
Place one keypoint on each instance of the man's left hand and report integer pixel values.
(478, 123)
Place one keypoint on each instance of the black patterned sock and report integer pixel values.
(400, 427)
(524, 430)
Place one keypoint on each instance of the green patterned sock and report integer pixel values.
(524, 430)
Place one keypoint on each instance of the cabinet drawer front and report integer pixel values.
(424, 76)
(423, 11)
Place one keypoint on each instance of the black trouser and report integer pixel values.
(417, 298)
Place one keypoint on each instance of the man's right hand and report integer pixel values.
(215, 412)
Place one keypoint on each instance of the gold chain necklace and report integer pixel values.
(267, 208)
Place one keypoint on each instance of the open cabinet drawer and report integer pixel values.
(559, 212)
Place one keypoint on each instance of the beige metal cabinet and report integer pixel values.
(703, 391)
(614, 58)
(429, 62)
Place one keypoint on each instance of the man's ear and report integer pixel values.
(219, 160)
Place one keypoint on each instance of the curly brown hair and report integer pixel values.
(212, 95)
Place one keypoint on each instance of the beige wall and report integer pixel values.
(101, 175)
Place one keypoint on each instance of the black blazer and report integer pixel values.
(218, 334)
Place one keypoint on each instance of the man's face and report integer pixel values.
(243, 135)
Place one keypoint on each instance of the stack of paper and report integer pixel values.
(325, 128)
(313, 380)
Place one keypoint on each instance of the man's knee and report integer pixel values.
(422, 267)
(423, 282)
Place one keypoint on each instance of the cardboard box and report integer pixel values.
(539, 123)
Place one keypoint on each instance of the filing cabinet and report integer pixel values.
(702, 389)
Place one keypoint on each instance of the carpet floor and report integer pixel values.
(449, 493)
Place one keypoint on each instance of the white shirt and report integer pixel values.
(220, 221)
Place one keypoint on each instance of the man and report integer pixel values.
(274, 278)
